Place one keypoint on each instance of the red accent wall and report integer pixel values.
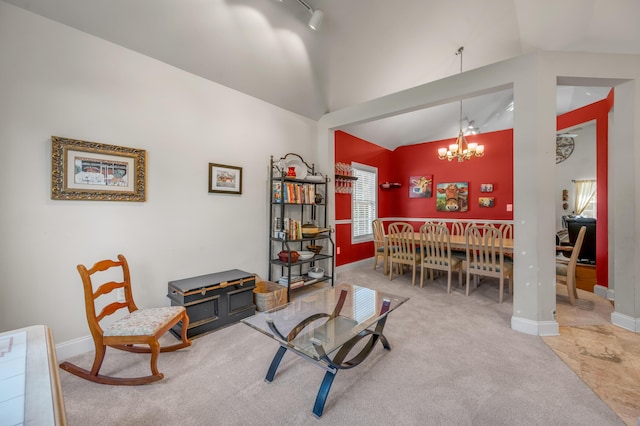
(348, 149)
(598, 111)
(496, 167)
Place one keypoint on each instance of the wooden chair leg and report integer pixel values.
(98, 358)
(570, 290)
(155, 352)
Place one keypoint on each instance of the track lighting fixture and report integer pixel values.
(316, 15)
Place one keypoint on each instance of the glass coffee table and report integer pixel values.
(325, 327)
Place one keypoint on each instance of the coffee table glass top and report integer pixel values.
(322, 318)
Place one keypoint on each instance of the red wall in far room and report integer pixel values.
(495, 167)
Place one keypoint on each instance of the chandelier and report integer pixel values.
(461, 149)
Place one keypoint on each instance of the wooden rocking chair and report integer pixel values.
(138, 327)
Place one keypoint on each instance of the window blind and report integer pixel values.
(364, 201)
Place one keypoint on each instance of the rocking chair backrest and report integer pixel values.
(106, 289)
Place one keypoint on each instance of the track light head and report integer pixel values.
(316, 19)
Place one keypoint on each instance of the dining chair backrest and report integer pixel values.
(566, 270)
(435, 252)
(402, 248)
(485, 250)
(458, 228)
(433, 222)
(507, 230)
(435, 244)
(485, 256)
(378, 233)
(401, 240)
(378, 241)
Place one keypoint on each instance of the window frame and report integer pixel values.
(364, 168)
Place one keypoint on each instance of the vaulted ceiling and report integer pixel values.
(363, 50)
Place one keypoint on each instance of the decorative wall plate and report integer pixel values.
(564, 148)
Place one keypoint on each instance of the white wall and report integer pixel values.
(55, 80)
(581, 165)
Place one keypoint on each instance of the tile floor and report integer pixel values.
(604, 356)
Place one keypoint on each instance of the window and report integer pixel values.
(364, 202)
(585, 202)
(590, 210)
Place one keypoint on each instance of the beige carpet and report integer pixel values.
(454, 361)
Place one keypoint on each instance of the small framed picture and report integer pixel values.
(225, 179)
(485, 202)
(486, 187)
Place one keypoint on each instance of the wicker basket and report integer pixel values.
(269, 295)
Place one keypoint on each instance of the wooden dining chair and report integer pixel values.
(379, 245)
(137, 331)
(435, 244)
(485, 257)
(403, 249)
(566, 268)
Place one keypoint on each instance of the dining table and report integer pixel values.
(457, 242)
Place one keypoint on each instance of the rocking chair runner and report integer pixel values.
(138, 327)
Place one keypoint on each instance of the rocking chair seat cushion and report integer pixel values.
(143, 322)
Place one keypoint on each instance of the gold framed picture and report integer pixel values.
(82, 170)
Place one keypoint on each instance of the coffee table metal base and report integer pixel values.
(337, 363)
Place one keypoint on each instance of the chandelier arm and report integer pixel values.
(461, 150)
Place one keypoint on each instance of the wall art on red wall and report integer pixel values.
(486, 202)
(486, 187)
(452, 197)
(421, 186)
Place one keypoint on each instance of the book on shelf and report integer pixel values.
(277, 192)
(308, 280)
(296, 193)
(293, 228)
(291, 282)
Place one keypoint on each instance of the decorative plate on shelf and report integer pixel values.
(564, 148)
(299, 167)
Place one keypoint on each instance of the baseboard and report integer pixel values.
(74, 347)
(626, 322)
(349, 266)
(602, 291)
(535, 328)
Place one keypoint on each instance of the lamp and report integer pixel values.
(461, 149)
(316, 15)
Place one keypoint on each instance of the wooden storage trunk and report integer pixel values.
(213, 301)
